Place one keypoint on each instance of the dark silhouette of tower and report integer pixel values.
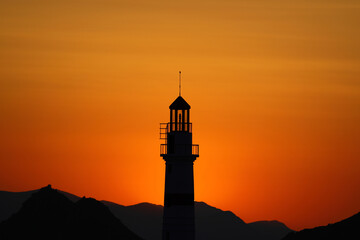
(179, 154)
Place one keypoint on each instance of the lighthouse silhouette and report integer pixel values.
(179, 154)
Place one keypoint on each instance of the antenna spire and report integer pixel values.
(179, 83)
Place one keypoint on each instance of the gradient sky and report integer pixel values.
(274, 88)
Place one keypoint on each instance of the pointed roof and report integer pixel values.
(179, 103)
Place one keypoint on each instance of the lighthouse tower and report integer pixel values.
(179, 154)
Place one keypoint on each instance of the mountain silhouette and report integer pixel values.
(54, 214)
(145, 219)
(344, 230)
(211, 223)
(11, 202)
(48, 214)
(270, 229)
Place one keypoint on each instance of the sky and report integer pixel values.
(273, 85)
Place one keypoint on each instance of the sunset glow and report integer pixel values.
(273, 86)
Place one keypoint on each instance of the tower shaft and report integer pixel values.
(179, 215)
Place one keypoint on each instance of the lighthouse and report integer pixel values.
(179, 154)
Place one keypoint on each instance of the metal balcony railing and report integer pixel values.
(180, 148)
(163, 149)
(163, 130)
(195, 149)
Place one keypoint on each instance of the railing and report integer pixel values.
(165, 128)
(163, 149)
(195, 149)
(180, 148)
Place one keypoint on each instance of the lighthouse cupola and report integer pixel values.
(179, 115)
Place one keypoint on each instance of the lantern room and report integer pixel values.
(180, 116)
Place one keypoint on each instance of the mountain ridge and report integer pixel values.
(145, 219)
(345, 229)
(48, 214)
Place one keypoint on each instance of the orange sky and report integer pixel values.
(274, 88)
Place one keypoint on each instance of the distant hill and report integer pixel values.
(213, 223)
(145, 219)
(48, 214)
(11, 202)
(344, 230)
(270, 229)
